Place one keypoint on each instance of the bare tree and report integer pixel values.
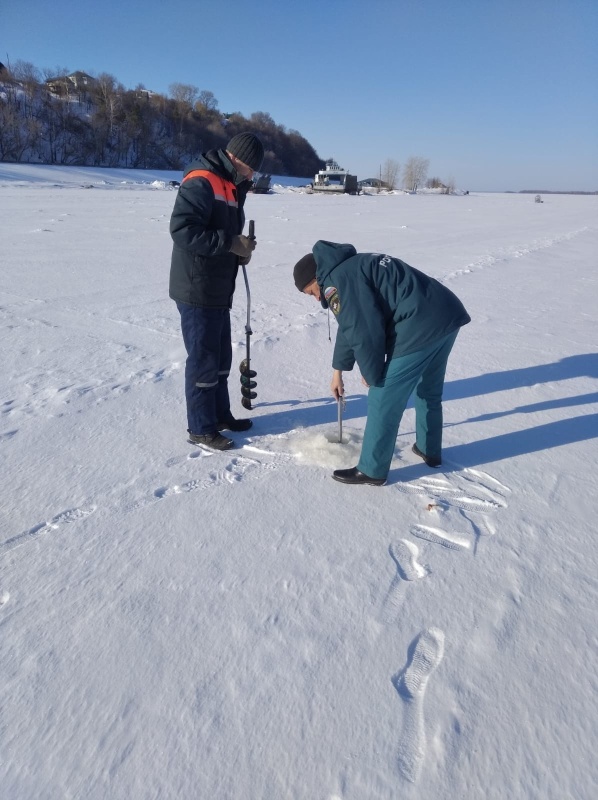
(57, 72)
(13, 141)
(184, 97)
(184, 93)
(107, 95)
(434, 183)
(207, 101)
(390, 173)
(26, 72)
(415, 172)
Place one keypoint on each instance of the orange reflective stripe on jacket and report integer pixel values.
(223, 190)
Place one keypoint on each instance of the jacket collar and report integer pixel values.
(328, 256)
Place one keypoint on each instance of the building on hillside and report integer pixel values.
(64, 84)
(145, 94)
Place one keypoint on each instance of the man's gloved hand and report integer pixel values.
(244, 260)
(242, 246)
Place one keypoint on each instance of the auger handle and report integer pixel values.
(246, 370)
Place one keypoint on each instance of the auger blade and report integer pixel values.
(250, 373)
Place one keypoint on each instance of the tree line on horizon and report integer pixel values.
(79, 120)
(413, 175)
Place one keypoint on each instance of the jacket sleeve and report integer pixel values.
(343, 357)
(362, 328)
(190, 224)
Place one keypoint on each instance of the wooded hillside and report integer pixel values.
(94, 121)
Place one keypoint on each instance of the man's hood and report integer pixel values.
(210, 161)
(218, 162)
(329, 255)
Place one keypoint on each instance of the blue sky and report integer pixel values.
(497, 94)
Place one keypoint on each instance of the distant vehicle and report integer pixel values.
(335, 179)
(261, 184)
(372, 183)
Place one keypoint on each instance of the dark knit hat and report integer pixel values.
(248, 149)
(305, 271)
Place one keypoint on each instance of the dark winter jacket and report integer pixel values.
(384, 307)
(207, 213)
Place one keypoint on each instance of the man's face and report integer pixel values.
(313, 289)
(241, 167)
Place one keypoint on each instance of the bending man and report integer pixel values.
(399, 325)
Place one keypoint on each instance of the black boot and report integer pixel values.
(430, 460)
(353, 475)
(232, 424)
(212, 440)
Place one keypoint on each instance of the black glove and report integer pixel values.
(242, 246)
(244, 260)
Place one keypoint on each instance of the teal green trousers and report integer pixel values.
(422, 372)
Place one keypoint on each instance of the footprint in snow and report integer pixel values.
(237, 469)
(197, 453)
(64, 518)
(411, 683)
(451, 541)
(469, 489)
(404, 554)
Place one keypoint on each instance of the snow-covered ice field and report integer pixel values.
(179, 625)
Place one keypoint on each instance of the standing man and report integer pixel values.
(206, 228)
(399, 325)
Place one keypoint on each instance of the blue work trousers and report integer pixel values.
(207, 337)
(422, 372)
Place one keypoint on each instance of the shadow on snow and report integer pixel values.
(323, 411)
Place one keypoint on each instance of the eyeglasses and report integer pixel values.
(241, 167)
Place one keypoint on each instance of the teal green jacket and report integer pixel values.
(384, 307)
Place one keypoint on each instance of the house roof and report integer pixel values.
(74, 77)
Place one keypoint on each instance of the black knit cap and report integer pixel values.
(248, 149)
(304, 271)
